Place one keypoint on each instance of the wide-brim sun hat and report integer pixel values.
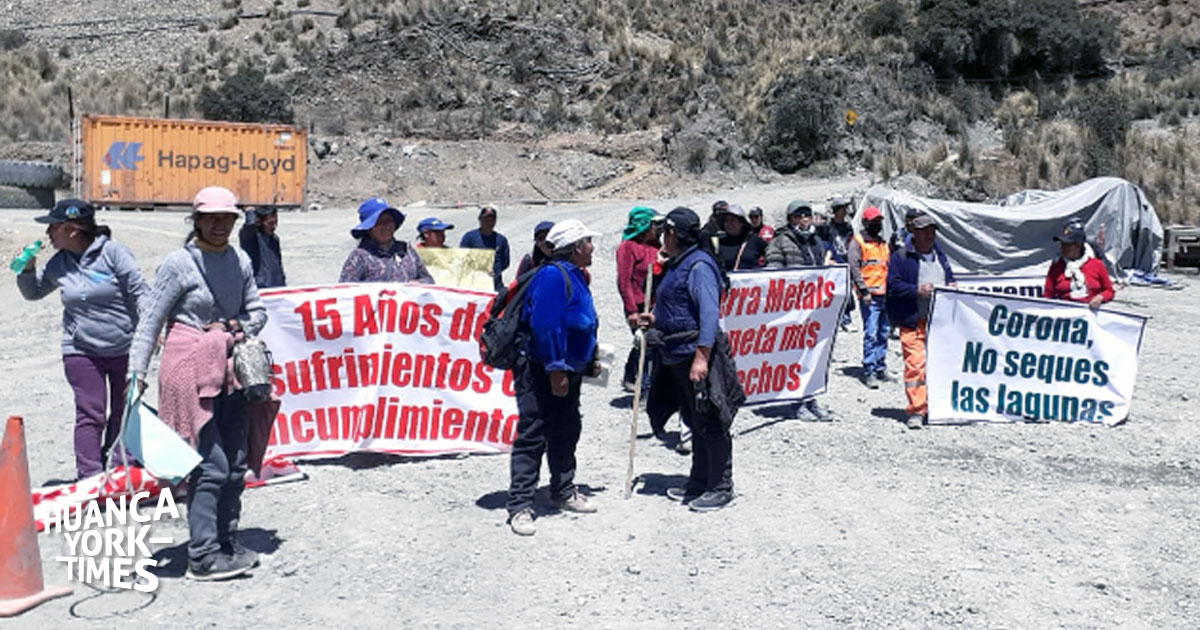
(216, 200)
(368, 214)
(639, 220)
(569, 232)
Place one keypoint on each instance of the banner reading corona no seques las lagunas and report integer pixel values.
(993, 358)
(781, 325)
(384, 367)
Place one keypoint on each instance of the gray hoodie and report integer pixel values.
(101, 291)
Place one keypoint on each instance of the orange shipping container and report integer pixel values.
(148, 162)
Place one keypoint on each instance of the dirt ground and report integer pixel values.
(853, 524)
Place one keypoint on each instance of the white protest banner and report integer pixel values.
(384, 367)
(461, 268)
(1023, 286)
(781, 324)
(996, 358)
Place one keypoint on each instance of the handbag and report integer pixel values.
(251, 357)
(252, 366)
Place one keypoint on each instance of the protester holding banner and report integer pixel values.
(798, 244)
(205, 294)
(486, 237)
(739, 247)
(635, 259)
(690, 348)
(838, 233)
(101, 287)
(379, 257)
(913, 272)
(258, 239)
(764, 231)
(540, 252)
(868, 255)
(1077, 275)
(431, 232)
(561, 322)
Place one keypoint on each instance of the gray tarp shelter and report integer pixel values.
(1016, 236)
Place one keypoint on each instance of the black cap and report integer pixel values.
(265, 211)
(685, 223)
(720, 206)
(912, 213)
(69, 210)
(1072, 233)
(755, 212)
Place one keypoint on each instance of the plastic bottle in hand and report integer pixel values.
(27, 254)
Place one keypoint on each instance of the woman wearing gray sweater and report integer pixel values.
(100, 285)
(203, 293)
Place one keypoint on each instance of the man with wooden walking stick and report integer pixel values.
(690, 345)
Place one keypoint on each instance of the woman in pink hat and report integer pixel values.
(206, 297)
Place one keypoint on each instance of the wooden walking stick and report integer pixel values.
(637, 391)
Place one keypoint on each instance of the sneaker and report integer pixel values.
(234, 548)
(575, 503)
(684, 447)
(883, 377)
(683, 494)
(522, 523)
(711, 500)
(871, 381)
(819, 412)
(628, 386)
(803, 413)
(915, 421)
(217, 566)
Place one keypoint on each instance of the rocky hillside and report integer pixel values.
(714, 90)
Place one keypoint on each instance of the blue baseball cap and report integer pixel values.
(368, 214)
(544, 226)
(433, 224)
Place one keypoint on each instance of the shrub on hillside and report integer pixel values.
(1106, 114)
(12, 40)
(1010, 40)
(246, 96)
(804, 123)
(886, 17)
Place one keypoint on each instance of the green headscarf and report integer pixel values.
(639, 221)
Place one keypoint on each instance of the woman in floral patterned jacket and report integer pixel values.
(379, 257)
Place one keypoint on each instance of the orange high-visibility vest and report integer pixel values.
(874, 263)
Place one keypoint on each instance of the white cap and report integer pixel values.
(567, 232)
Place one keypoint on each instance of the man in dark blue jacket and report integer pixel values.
(258, 239)
(913, 272)
(687, 314)
(486, 237)
(560, 319)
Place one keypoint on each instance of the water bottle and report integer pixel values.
(27, 254)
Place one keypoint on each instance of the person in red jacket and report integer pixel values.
(1077, 275)
(635, 258)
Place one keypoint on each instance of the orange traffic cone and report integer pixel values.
(21, 584)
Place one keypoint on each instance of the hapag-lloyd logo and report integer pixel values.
(225, 163)
(123, 156)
